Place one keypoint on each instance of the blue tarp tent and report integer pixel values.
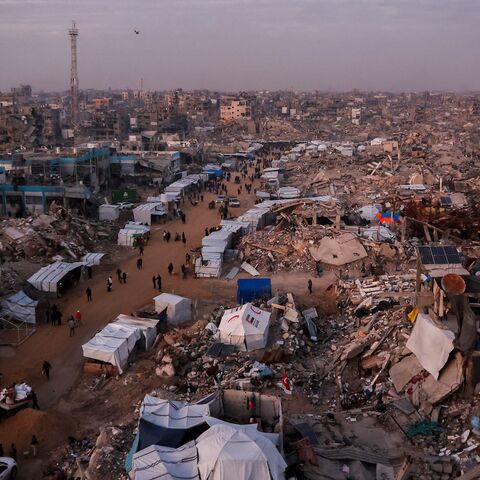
(249, 289)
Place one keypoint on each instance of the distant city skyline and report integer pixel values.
(231, 45)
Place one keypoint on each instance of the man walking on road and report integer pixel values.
(78, 318)
(159, 282)
(310, 286)
(140, 250)
(124, 277)
(184, 239)
(184, 271)
(139, 264)
(170, 268)
(71, 324)
(88, 291)
(109, 284)
(119, 275)
(46, 367)
(154, 281)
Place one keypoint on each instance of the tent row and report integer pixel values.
(148, 213)
(115, 343)
(182, 186)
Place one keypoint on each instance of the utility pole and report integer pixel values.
(73, 33)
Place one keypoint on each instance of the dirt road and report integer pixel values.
(64, 352)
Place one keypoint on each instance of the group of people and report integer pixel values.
(13, 449)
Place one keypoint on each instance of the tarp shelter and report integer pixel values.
(249, 289)
(149, 328)
(20, 307)
(170, 423)
(130, 232)
(156, 462)
(344, 249)
(48, 278)
(246, 327)
(149, 212)
(430, 344)
(227, 452)
(113, 345)
(92, 259)
(179, 309)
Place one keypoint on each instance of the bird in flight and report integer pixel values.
(137, 31)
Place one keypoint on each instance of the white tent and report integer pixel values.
(112, 345)
(144, 212)
(92, 259)
(179, 309)
(131, 230)
(20, 307)
(157, 462)
(227, 452)
(107, 350)
(245, 326)
(147, 326)
(48, 278)
(172, 414)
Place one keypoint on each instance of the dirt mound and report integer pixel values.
(50, 427)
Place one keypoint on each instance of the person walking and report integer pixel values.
(170, 268)
(184, 270)
(109, 284)
(34, 445)
(140, 250)
(88, 291)
(46, 367)
(124, 277)
(159, 282)
(168, 237)
(206, 231)
(13, 452)
(184, 239)
(78, 318)
(71, 324)
(59, 318)
(187, 259)
(310, 286)
(34, 403)
(139, 264)
(90, 271)
(154, 281)
(53, 314)
(119, 275)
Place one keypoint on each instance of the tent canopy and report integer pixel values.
(112, 345)
(172, 414)
(227, 452)
(148, 327)
(92, 259)
(245, 326)
(157, 462)
(48, 278)
(179, 309)
(20, 307)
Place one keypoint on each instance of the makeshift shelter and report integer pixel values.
(48, 278)
(170, 423)
(249, 289)
(130, 233)
(344, 249)
(246, 327)
(149, 328)
(92, 259)
(165, 463)
(227, 452)
(20, 307)
(179, 309)
(113, 345)
(149, 212)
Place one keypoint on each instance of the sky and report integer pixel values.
(230, 45)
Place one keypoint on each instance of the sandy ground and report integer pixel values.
(64, 352)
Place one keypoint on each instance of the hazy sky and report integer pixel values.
(243, 44)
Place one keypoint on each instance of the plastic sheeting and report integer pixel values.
(47, 278)
(20, 307)
(227, 452)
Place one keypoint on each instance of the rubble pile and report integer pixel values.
(58, 234)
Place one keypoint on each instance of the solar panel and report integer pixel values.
(439, 255)
(446, 201)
